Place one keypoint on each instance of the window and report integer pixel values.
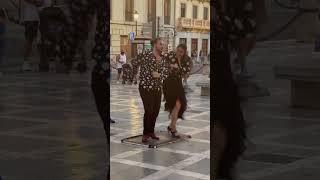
(205, 13)
(150, 8)
(204, 47)
(183, 10)
(183, 41)
(111, 10)
(129, 10)
(167, 11)
(194, 47)
(195, 12)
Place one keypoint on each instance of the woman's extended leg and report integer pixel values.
(174, 116)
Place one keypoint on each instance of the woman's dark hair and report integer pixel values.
(184, 47)
(154, 41)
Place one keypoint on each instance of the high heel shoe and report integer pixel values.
(173, 133)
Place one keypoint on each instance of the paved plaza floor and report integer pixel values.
(49, 129)
(185, 160)
(284, 141)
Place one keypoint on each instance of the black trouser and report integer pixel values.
(151, 103)
(100, 89)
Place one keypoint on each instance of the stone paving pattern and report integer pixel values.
(186, 160)
(49, 129)
(284, 142)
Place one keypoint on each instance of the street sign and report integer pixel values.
(131, 36)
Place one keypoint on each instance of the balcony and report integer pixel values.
(193, 24)
(185, 23)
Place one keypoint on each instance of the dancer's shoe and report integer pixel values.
(145, 138)
(153, 136)
(173, 133)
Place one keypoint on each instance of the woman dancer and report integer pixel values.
(229, 127)
(176, 102)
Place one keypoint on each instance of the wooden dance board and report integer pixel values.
(165, 139)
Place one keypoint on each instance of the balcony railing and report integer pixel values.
(188, 23)
(185, 22)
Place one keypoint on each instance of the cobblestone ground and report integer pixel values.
(284, 141)
(185, 160)
(49, 129)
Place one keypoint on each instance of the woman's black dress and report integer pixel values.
(172, 87)
(226, 99)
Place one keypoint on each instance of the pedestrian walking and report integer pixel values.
(52, 26)
(247, 37)
(229, 132)
(121, 59)
(176, 101)
(201, 56)
(31, 25)
(127, 76)
(153, 70)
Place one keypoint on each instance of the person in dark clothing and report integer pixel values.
(80, 15)
(127, 76)
(101, 71)
(100, 82)
(153, 70)
(229, 132)
(81, 12)
(176, 101)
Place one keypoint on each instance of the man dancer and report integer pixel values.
(153, 71)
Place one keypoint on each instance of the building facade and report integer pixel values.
(193, 25)
(176, 21)
(155, 19)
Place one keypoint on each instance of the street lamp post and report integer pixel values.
(136, 16)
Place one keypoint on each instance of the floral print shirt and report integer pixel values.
(101, 52)
(148, 64)
(81, 13)
(184, 65)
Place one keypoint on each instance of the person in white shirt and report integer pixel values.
(31, 24)
(31, 20)
(121, 59)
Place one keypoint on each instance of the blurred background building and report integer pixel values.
(135, 23)
(192, 25)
